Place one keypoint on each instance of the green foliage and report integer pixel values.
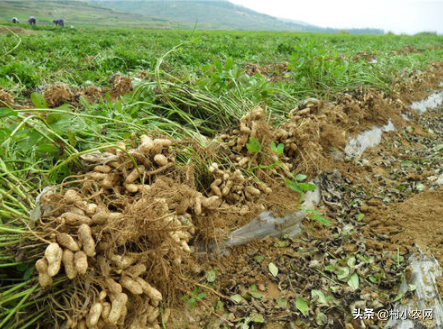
(299, 187)
(278, 149)
(39, 101)
(273, 269)
(302, 306)
(317, 216)
(195, 296)
(253, 145)
(316, 66)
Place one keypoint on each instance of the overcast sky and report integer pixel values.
(407, 16)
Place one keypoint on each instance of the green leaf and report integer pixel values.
(354, 281)
(28, 273)
(256, 295)
(257, 318)
(237, 298)
(302, 306)
(259, 258)
(307, 186)
(300, 177)
(47, 148)
(7, 112)
(219, 306)
(39, 101)
(282, 303)
(210, 276)
(280, 244)
(412, 287)
(318, 216)
(330, 268)
(319, 296)
(293, 186)
(192, 303)
(398, 258)
(85, 103)
(342, 273)
(229, 63)
(273, 269)
(351, 262)
(217, 64)
(253, 145)
(360, 217)
(200, 296)
(321, 319)
(71, 138)
(22, 267)
(277, 149)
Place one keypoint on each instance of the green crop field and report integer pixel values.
(186, 86)
(318, 63)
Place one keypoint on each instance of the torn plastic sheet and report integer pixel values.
(41, 205)
(425, 271)
(370, 138)
(429, 103)
(405, 116)
(267, 225)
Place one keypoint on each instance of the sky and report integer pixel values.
(407, 16)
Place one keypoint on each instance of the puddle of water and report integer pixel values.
(369, 138)
(425, 271)
(429, 103)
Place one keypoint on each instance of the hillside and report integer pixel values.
(77, 13)
(220, 15)
(158, 14)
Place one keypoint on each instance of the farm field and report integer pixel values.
(127, 158)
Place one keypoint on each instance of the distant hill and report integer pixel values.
(156, 14)
(77, 13)
(211, 14)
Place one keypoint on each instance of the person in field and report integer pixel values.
(15, 20)
(32, 20)
(59, 22)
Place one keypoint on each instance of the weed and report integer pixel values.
(193, 298)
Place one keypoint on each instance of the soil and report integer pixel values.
(91, 93)
(121, 85)
(6, 98)
(58, 94)
(275, 71)
(5, 30)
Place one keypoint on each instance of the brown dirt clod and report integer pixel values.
(58, 94)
